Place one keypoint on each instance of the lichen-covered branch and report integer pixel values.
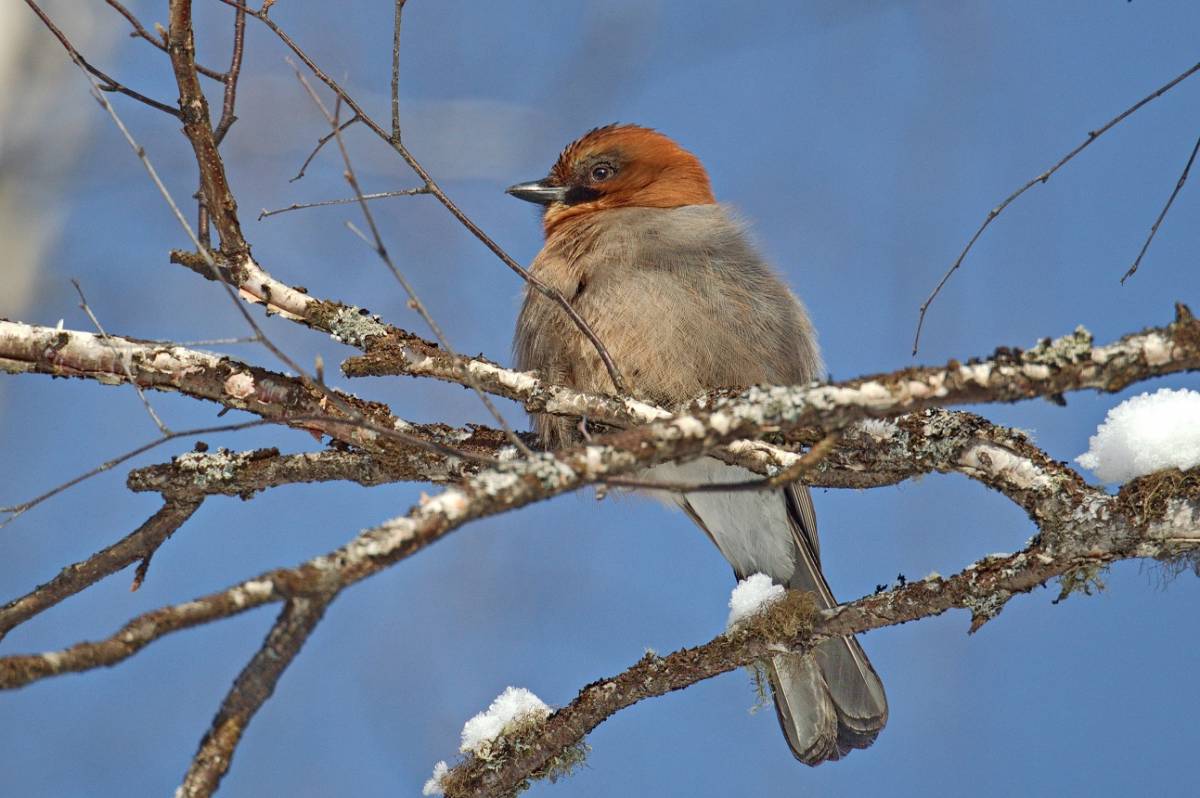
(1092, 531)
(522, 482)
(243, 474)
(233, 384)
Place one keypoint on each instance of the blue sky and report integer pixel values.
(863, 142)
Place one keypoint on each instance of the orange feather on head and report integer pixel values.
(624, 166)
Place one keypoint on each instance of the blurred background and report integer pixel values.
(864, 141)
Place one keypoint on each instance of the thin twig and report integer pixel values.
(1154, 228)
(541, 287)
(183, 59)
(376, 243)
(1042, 178)
(253, 686)
(107, 83)
(249, 339)
(396, 71)
(321, 142)
(16, 510)
(83, 305)
(406, 192)
(810, 460)
(139, 32)
(231, 77)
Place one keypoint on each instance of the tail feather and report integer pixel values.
(855, 690)
(829, 701)
(804, 707)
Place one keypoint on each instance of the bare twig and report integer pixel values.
(376, 243)
(243, 474)
(197, 126)
(83, 304)
(396, 71)
(541, 287)
(16, 510)
(295, 206)
(1162, 215)
(253, 686)
(321, 142)
(106, 83)
(231, 77)
(1042, 178)
(198, 129)
(139, 31)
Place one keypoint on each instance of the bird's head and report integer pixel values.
(617, 166)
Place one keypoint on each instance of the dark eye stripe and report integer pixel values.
(578, 194)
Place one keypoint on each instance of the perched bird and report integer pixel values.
(672, 286)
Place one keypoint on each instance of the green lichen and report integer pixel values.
(1069, 348)
(348, 324)
(1083, 579)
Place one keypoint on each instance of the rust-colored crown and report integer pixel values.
(649, 171)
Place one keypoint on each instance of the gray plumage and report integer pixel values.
(684, 305)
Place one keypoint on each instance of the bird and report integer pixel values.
(672, 285)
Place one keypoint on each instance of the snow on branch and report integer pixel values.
(1090, 531)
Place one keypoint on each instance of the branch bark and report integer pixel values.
(1086, 533)
(253, 686)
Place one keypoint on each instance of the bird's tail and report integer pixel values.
(828, 701)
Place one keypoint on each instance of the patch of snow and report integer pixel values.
(751, 596)
(1145, 434)
(513, 705)
(434, 785)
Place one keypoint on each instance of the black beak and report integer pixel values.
(538, 191)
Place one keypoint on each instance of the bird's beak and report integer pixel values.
(539, 191)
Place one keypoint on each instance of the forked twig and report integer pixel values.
(376, 243)
(139, 32)
(1042, 178)
(541, 287)
(107, 83)
(321, 142)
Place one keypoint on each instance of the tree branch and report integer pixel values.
(784, 409)
(106, 83)
(137, 545)
(253, 686)
(1097, 530)
(395, 143)
(197, 126)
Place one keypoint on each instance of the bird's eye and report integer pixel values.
(602, 172)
